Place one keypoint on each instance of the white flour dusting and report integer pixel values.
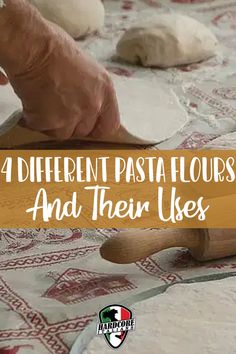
(224, 142)
(187, 319)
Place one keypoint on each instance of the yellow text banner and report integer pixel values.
(117, 188)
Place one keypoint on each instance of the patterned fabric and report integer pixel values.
(52, 282)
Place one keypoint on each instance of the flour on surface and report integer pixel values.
(197, 318)
(224, 142)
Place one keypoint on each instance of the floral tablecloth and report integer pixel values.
(53, 282)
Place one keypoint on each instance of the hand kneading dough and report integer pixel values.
(150, 112)
(169, 40)
(77, 17)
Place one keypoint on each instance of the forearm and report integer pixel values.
(23, 35)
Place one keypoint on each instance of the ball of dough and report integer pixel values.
(169, 40)
(77, 17)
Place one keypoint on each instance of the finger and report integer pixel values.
(109, 120)
(85, 127)
(59, 132)
(3, 79)
(41, 119)
(64, 133)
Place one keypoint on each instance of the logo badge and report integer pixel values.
(115, 323)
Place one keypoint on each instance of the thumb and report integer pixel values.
(3, 79)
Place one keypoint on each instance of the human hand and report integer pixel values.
(64, 93)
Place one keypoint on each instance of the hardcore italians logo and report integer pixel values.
(115, 323)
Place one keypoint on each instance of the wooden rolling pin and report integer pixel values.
(129, 247)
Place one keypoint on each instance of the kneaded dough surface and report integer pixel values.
(186, 319)
(166, 41)
(77, 17)
(150, 112)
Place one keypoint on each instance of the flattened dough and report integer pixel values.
(169, 40)
(150, 113)
(197, 318)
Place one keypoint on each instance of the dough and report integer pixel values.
(169, 40)
(150, 113)
(77, 17)
(186, 319)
